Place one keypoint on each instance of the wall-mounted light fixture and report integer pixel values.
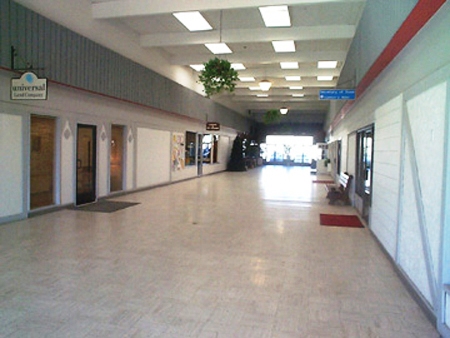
(284, 110)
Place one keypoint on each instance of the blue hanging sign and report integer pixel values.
(337, 94)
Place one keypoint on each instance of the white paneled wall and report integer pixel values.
(386, 173)
(11, 165)
(421, 197)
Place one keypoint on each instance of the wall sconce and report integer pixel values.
(284, 110)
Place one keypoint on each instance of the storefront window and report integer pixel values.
(210, 148)
(190, 148)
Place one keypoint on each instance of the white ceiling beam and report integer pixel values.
(129, 8)
(265, 105)
(249, 35)
(242, 91)
(251, 57)
(281, 73)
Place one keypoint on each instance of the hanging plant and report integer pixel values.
(217, 76)
(271, 116)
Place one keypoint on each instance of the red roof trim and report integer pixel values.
(419, 16)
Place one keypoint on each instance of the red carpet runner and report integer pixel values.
(351, 221)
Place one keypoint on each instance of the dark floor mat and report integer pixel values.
(104, 206)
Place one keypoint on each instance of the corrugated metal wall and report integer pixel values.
(66, 57)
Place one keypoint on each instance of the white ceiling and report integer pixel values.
(321, 29)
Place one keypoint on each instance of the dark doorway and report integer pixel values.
(86, 164)
(364, 168)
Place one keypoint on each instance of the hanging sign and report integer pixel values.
(29, 87)
(212, 126)
(337, 94)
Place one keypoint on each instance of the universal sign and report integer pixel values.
(28, 87)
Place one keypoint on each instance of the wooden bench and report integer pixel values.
(340, 192)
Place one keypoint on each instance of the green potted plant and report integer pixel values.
(271, 116)
(218, 75)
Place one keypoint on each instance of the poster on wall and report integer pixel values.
(177, 151)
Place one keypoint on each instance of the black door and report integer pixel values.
(86, 163)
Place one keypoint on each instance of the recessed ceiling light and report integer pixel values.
(298, 95)
(327, 64)
(289, 65)
(193, 21)
(198, 68)
(293, 78)
(218, 48)
(275, 16)
(284, 46)
(247, 78)
(262, 95)
(324, 78)
(238, 66)
(296, 87)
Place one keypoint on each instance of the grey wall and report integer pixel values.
(66, 57)
(379, 22)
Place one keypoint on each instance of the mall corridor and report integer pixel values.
(226, 255)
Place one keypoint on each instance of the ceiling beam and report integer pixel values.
(305, 33)
(265, 57)
(281, 73)
(129, 8)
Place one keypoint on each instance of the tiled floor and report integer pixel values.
(227, 255)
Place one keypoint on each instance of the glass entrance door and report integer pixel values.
(86, 164)
(364, 169)
(199, 154)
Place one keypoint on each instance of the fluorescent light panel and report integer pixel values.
(198, 68)
(218, 48)
(296, 87)
(324, 78)
(293, 78)
(286, 46)
(254, 88)
(275, 16)
(247, 79)
(327, 64)
(289, 65)
(298, 95)
(262, 95)
(193, 21)
(238, 66)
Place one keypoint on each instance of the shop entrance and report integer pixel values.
(42, 161)
(86, 164)
(116, 158)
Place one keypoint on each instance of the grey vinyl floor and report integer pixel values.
(226, 255)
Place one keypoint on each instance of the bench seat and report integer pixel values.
(340, 191)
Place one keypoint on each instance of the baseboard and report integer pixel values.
(409, 285)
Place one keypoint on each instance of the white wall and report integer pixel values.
(408, 104)
(386, 173)
(70, 107)
(422, 181)
(11, 165)
(152, 157)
